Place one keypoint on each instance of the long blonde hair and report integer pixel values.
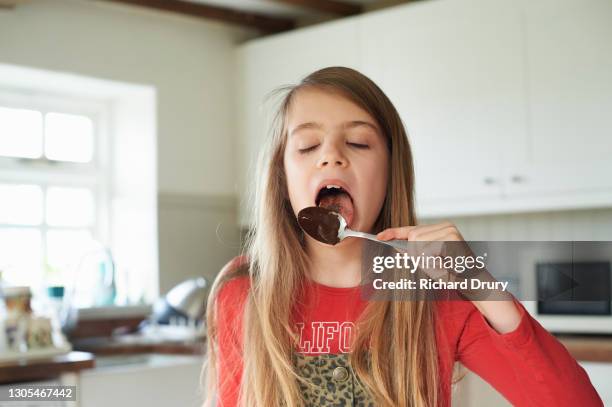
(402, 367)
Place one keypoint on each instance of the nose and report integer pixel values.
(332, 156)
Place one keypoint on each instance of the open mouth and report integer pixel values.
(337, 199)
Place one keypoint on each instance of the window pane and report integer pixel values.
(68, 137)
(65, 249)
(70, 206)
(21, 255)
(21, 204)
(20, 133)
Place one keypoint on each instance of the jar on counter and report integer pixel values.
(18, 301)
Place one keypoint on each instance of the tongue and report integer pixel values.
(340, 203)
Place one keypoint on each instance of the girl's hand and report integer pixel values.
(445, 231)
(502, 315)
(431, 242)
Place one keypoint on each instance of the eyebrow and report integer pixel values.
(346, 125)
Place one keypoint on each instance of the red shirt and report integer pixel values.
(528, 366)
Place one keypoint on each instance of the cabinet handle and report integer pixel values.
(517, 179)
(489, 180)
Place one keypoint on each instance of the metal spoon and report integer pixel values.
(328, 226)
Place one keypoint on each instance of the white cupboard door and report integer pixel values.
(600, 374)
(267, 64)
(569, 78)
(453, 70)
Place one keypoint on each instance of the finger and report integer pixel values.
(412, 232)
(433, 227)
(445, 234)
(395, 233)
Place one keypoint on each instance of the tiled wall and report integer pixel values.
(594, 224)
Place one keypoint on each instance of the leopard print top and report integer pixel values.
(331, 381)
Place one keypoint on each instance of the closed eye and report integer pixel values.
(359, 145)
(307, 149)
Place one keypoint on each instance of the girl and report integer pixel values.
(286, 321)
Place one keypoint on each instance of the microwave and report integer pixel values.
(572, 296)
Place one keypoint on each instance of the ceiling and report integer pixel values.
(289, 9)
(265, 16)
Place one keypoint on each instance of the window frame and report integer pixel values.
(95, 175)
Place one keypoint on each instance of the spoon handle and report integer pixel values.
(397, 244)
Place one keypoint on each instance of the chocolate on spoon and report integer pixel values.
(321, 224)
(328, 226)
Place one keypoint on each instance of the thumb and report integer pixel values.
(384, 235)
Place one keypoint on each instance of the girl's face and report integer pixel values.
(331, 140)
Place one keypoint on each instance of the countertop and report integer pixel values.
(109, 346)
(39, 369)
(588, 348)
(84, 355)
(583, 348)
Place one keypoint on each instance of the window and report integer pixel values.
(53, 186)
(78, 175)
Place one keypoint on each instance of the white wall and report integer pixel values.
(189, 62)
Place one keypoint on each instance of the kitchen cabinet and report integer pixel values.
(568, 62)
(131, 380)
(269, 63)
(143, 379)
(58, 370)
(600, 374)
(453, 69)
(6, 388)
(473, 391)
(152, 380)
(506, 104)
